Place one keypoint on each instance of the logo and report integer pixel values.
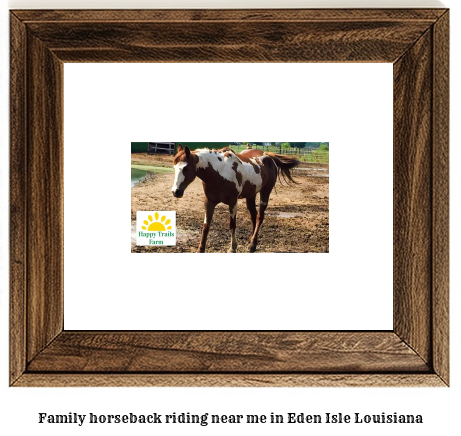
(156, 228)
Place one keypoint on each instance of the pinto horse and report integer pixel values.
(228, 176)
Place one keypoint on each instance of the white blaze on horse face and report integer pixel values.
(178, 175)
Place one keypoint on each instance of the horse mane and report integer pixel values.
(223, 150)
(181, 153)
(177, 158)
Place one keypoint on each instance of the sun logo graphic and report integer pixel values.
(156, 228)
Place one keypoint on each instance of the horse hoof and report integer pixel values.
(232, 250)
(252, 249)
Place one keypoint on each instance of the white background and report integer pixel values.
(108, 105)
(19, 407)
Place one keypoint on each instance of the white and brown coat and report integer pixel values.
(228, 176)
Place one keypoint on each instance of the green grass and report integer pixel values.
(314, 157)
(153, 169)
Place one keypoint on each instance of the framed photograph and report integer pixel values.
(48, 46)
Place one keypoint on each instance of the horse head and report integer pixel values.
(185, 170)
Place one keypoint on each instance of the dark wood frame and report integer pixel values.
(414, 353)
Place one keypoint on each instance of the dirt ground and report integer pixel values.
(296, 221)
(157, 160)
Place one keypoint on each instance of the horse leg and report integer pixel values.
(209, 210)
(232, 225)
(251, 205)
(259, 220)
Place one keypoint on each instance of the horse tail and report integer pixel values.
(284, 164)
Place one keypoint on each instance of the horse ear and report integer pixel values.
(180, 148)
(186, 149)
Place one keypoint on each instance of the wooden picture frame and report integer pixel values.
(414, 353)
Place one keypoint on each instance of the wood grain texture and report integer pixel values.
(441, 212)
(414, 354)
(45, 179)
(241, 352)
(18, 192)
(413, 196)
(230, 380)
(259, 41)
(205, 15)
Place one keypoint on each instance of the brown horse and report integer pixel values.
(228, 176)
